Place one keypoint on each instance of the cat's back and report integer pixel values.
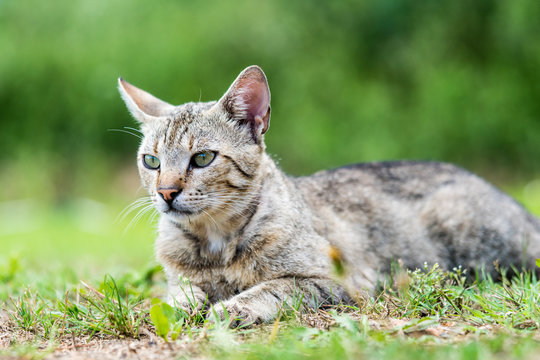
(417, 211)
(407, 181)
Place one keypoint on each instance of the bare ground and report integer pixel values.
(18, 344)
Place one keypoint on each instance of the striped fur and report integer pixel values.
(252, 238)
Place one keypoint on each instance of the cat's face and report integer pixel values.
(196, 161)
(201, 159)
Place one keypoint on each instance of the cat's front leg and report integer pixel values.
(184, 295)
(263, 302)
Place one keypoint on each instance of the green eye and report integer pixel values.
(203, 159)
(151, 162)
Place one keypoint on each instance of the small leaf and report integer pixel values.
(177, 329)
(160, 321)
(156, 301)
(169, 312)
(538, 262)
(179, 324)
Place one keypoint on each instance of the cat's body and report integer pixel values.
(249, 236)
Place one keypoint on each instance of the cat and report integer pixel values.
(250, 238)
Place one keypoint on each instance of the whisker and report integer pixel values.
(132, 207)
(233, 209)
(134, 129)
(138, 217)
(210, 216)
(127, 132)
(233, 202)
(155, 213)
(142, 206)
(230, 196)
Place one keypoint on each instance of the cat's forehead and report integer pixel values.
(182, 116)
(191, 110)
(190, 126)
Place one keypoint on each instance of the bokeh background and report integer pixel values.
(351, 81)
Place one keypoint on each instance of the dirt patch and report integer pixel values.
(18, 344)
(122, 349)
(22, 345)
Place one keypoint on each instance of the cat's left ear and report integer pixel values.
(248, 100)
(143, 106)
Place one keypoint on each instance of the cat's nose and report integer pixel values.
(168, 194)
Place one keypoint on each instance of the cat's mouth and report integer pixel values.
(179, 212)
(177, 209)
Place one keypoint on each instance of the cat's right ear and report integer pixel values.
(248, 101)
(143, 106)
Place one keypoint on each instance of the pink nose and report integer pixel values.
(169, 194)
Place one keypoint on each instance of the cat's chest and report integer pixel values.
(213, 263)
(215, 242)
(222, 282)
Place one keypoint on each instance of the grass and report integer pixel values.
(66, 290)
(84, 235)
(429, 314)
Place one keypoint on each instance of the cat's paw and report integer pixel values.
(191, 304)
(238, 314)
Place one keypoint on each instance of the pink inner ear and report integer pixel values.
(255, 97)
(248, 100)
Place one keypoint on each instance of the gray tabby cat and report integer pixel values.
(249, 237)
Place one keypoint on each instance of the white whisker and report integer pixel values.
(133, 206)
(134, 129)
(142, 207)
(138, 216)
(210, 216)
(127, 132)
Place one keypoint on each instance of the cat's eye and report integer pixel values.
(151, 162)
(203, 158)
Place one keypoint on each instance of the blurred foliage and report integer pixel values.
(351, 81)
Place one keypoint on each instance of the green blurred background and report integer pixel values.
(351, 81)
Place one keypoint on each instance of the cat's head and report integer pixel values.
(200, 159)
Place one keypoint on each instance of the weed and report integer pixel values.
(167, 320)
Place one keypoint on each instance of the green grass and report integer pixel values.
(63, 282)
(431, 314)
(84, 235)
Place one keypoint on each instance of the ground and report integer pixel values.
(71, 288)
(429, 314)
